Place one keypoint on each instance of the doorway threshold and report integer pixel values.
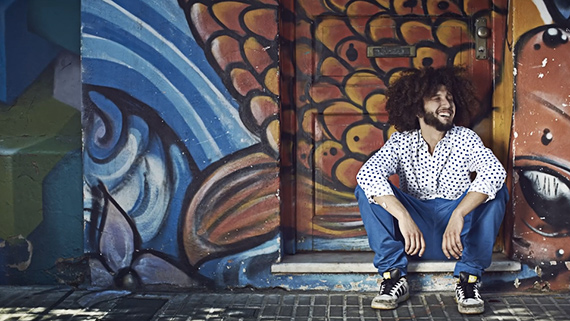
(361, 262)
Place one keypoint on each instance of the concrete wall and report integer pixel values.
(41, 228)
(180, 141)
(189, 115)
(539, 153)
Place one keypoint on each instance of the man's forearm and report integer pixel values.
(469, 203)
(391, 204)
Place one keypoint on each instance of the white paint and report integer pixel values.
(544, 62)
(67, 79)
(516, 134)
(541, 75)
(548, 136)
(316, 263)
(544, 15)
(552, 31)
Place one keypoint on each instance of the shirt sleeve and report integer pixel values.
(373, 175)
(490, 172)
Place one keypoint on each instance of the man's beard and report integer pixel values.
(430, 119)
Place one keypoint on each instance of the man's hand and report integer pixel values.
(451, 243)
(413, 238)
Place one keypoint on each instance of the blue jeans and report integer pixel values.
(480, 230)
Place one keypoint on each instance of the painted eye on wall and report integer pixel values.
(548, 194)
(546, 137)
(554, 37)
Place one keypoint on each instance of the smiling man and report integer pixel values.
(437, 213)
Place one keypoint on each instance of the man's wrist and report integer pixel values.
(459, 213)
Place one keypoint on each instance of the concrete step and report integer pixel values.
(361, 262)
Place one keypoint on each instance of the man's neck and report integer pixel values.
(431, 135)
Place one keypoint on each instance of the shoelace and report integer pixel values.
(388, 286)
(468, 290)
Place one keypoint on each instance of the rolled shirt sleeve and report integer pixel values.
(490, 172)
(373, 175)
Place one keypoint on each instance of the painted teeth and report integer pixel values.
(549, 187)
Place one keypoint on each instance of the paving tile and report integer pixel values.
(336, 299)
(270, 310)
(353, 299)
(320, 310)
(368, 313)
(321, 300)
(286, 311)
(63, 304)
(305, 299)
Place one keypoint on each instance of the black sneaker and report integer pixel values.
(467, 294)
(393, 290)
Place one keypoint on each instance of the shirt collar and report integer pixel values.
(444, 140)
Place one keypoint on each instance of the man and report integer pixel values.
(438, 213)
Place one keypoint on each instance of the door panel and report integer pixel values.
(339, 101)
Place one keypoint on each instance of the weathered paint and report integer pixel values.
(217, 195)
(23, 55)
(40, 172)
(339, 98)
(191, 113)
(180, 136)
(540, 181)
(41, 227)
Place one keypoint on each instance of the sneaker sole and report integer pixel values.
(471, 310)
(387, 305)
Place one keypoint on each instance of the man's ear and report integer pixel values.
(421, 113)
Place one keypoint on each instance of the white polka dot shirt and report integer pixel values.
(445, 174)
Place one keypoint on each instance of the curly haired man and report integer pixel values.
(438, 212)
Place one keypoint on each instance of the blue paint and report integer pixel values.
(174, 69)
(146, 49)
(57, 21)
(564, 7)
(3, 276)
(60, 234)
(141, 166)
(23, 55)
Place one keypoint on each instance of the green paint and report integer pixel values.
(35, 134)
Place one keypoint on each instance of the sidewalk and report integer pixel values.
(64, 303)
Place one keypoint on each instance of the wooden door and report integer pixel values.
(343, 56)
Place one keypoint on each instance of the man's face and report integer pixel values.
(439, 110)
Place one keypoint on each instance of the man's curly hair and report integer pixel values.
(405, 97)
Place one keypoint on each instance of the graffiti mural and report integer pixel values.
(541, 190)
(189, 171)
(180, 139)
(336, 99)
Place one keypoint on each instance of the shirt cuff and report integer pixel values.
(372, 192)
(484, 188)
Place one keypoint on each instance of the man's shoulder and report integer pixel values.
(398, 136)
(462, 131)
